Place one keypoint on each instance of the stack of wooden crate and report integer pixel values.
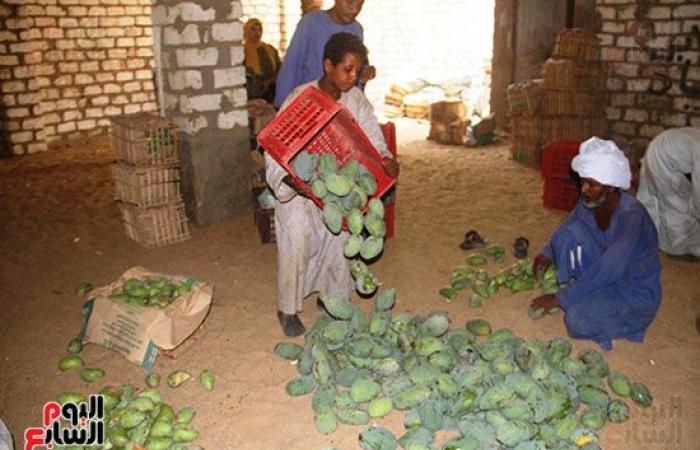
(525, 101)
(147, 179)
(575, 83)
(570, 101)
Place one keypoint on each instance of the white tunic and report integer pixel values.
(673, 201)
(309, 257)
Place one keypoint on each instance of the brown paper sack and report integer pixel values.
(138, 332)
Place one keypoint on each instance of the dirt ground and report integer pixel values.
(59, 226)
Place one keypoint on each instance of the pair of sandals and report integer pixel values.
(472, 240)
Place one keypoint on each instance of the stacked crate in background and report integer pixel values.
(525, 101)
(147, 179)
(567, 103)
(575, 84)
(561, 183)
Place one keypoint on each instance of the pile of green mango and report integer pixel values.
(488, 389)
(345, 193)
(136, 420)
(139, 420)
(484, 285)
(158, 293)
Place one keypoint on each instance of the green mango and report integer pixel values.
(70, 362)
(641, 395)
(333, 217)
(355, 222)
(352, 246)
(338, 185)
(75, 346)
(318, 187)
(90, 374)
(376, 207)
(177, 377)
(371, 248)
(206, 379)
(379, 407)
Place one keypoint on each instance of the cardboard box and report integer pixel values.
(139, 332)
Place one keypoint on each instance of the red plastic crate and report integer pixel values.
(560, 193)
(389, 219)
(556, 158)
(319, 124)
(389, 132)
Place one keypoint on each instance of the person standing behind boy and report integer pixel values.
(309, 257)
(303, 61)
(308, 6)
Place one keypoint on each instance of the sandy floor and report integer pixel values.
(59, 226)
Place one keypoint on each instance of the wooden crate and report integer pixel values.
(145, 139)
(572, 127)
(157, 226)
(572, 103)
(574, 75)
(527, 128)
(577, 44)
(527, 152)
(525, 97)
(146, 186)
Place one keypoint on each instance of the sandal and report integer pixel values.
(472, 240)
(520, 247)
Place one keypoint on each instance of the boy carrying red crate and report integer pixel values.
(310, 258)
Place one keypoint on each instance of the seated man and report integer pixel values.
(606, 254)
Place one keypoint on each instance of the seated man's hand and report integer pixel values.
(391, 167)
(540, 265)
(546, 302)
(300, 189)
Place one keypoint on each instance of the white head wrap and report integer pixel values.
(604, 162)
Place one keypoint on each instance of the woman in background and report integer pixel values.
(262, 62)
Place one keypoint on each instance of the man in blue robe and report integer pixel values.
(606, 254)
(303, 61)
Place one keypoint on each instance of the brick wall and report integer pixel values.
(199, 65)
(67, 66)
(202, 64)
(653, 48)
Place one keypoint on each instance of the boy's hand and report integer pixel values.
(298, 188)
(391, 167)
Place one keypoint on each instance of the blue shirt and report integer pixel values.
(303, 61)
(626, 256)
